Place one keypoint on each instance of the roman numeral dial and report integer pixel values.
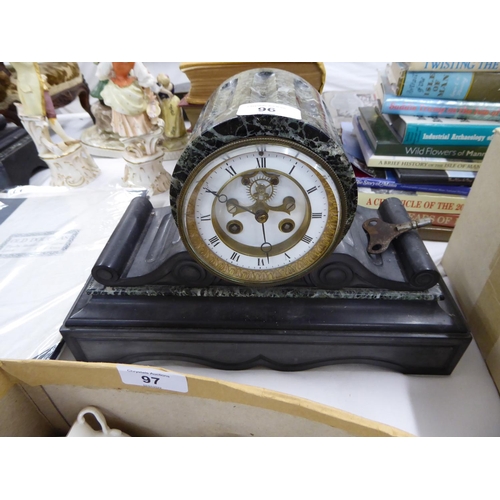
(261, 212)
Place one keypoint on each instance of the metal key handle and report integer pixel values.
(382, 233)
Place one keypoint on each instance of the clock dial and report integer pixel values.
(260, 211)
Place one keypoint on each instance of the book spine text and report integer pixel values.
(375, 182)
(396, 162)
(438, 151)
(443, 220)
(453, 66)
(432, 85)
(435, 133)
(450, 85)
(439, 204)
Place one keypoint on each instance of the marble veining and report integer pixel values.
(95, 288)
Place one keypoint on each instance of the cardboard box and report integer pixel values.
(43, 398)
(472, 258)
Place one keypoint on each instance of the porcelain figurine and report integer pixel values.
(69, 163)
(120, 112)
(130, 96)
(130, 91)
(175, 129)
(100, 139)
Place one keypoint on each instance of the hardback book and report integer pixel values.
(393, 183)
(413, 162)
(426, 130)
(442, 220)
(439, 219)
(435, 233)
(205, 77)
(384, 140)
(455, 85)
(418, 176)
(432, 203)
(446, 66)
(434, 177)
(421, 206)
(390, 103)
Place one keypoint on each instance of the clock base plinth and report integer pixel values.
(417, 333)
(149, 300)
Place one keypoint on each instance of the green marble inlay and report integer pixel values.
(434, 293)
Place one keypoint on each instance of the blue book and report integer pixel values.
(454, 85)
(433, 131)
(432, 85)
(390, 103)
(391, 183)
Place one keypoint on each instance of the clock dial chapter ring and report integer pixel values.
(285, 216)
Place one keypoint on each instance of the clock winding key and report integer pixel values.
(382, 233)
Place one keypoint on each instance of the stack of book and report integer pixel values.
(426, 135)
(205, 78)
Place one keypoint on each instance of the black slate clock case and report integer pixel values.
(150, 299)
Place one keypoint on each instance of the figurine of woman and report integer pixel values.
(171, 113)
(130, 93)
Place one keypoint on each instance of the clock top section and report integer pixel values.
(266, 102)
(257, 90)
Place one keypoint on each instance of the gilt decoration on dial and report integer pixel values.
(261, 211)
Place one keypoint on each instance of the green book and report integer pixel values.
(385, 141)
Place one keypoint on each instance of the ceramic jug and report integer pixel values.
(82, 429)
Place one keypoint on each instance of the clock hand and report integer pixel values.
(266, 247)
(221, 197)
(287, 206)
(230, 204)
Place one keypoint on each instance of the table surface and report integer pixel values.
(465, 403)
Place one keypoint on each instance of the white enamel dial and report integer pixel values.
(260, 212)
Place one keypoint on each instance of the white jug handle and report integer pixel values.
(97, 414)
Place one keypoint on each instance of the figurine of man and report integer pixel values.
(171, 113)
(33, 91)
(69, 162)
